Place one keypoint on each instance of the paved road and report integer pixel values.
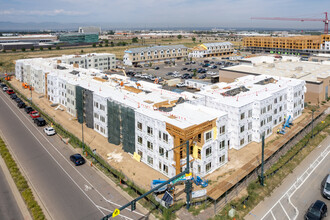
(310, 191)
(299, 190)
(8, 206)
(67, 192)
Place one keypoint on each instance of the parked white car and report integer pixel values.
(49, 131)
(179, 85)
(212, 73)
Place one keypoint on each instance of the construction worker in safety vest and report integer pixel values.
(278, 131)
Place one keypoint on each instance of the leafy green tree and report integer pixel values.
(13, 49)
(58, 47)
(106, 41)
(32, 49)
(112, 44)
(23, 49)
(41, 48)
(179, 36)
(49, 48)
(100, 45)
(135, 40)
(4, 51)
(193, 39)
(94, 45)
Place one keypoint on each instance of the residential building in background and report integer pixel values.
(76, 38)
(144, 55)
(101, 61)
(297, 45)
(212, 50)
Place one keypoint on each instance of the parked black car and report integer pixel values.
(21, 104)
(28, 109)
(318, 210)
(13, 96)
(39, 121)
(202, 76)
(77, 159)
(156, 68)
(184, 68)
(3, 85)
(18, 100)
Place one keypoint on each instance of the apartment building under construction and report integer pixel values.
(298, 45)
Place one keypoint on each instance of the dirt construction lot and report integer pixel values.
(140, 173)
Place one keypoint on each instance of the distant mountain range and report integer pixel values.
(54, 26)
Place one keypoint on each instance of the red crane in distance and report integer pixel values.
(325, 20)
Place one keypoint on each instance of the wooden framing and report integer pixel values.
(195, 135)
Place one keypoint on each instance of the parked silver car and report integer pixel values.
(326, 187)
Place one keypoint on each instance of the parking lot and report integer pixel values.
(200, 69)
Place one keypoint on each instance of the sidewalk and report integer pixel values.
(262, 208)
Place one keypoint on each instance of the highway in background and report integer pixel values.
(66, 191)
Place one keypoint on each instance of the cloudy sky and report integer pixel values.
(210, 13)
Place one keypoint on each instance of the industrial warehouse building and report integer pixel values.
(149, 121)
(144, 55)
(316, 74)
(212, 50)
(76, 38)
(298, 45)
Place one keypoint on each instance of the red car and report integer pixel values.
(34, 114)
(10, 91)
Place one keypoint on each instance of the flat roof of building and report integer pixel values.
(158, 48)
(285, 67)
(247, 89)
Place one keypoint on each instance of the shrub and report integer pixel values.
(13, 49)
(32, 49)
(58, 48)
(23, 49)
(49, 48)
(41, 48)
(94, 45)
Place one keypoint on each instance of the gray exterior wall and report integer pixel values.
(88, 108)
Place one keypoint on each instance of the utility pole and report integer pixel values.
(262, 161)
(82, 123)
(188, 189)
(313, 110)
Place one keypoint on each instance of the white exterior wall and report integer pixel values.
(127, 60)
(97, 61)
(199, 165)
(295, 98)
(325, 46)
(157, 126)
(61, 91)
(71, 99)
(52, 88)
(37, 80)
(19, 71)
(100, 114)
(197, 53)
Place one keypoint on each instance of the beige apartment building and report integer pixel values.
(145, 55)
